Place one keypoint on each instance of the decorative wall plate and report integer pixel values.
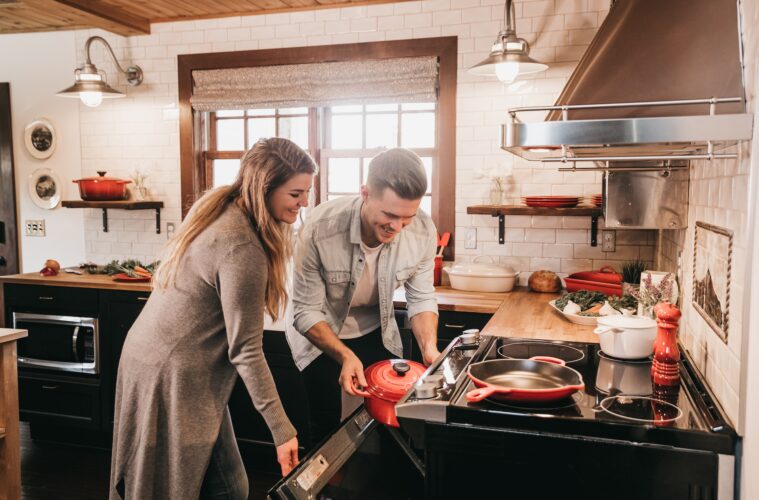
(40, 138)
(45, 188)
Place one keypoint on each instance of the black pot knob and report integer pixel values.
(101, 173)
(401, 368)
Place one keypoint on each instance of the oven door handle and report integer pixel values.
(73, 344)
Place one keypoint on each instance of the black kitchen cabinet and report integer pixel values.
(451, 324)
(118, 312)
(59, 400)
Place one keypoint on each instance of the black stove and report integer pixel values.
(620, 415)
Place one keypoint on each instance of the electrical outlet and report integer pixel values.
(34, 227)
(170, 229)
(470, 240)
(608, 240)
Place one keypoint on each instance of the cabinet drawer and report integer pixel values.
(58, 298)
(453, 324)
(59, 402)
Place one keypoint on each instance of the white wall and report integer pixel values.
(37, 65)
(142, 130)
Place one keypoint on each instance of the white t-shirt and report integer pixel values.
(364, 315)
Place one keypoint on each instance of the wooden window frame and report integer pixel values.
(192, 163)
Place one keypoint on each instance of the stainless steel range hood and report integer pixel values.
(660, 80)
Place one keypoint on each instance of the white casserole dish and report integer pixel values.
(480, 277)
(626, 337)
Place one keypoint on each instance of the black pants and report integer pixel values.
(324, 391)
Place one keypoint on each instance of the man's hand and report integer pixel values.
(430, 355)
(287, 455)
(352, 374)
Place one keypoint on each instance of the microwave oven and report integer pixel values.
(63, 343)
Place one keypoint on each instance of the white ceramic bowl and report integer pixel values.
(575, 318)
(626, 337)
(478, 277)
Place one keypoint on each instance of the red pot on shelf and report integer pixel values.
(102, 188)
(388, 381)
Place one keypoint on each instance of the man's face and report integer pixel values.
(384, 215)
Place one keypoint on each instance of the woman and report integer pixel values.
(202, 326)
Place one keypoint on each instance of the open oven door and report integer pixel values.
(361, 459)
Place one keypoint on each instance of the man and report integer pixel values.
(351, 256)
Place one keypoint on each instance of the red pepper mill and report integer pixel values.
(665, 369)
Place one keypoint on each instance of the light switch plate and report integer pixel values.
(34, 227)
(609, 240)
(470, 239)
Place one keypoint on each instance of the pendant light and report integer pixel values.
(510, 55)
(90, 85)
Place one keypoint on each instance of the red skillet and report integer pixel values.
(538, 379)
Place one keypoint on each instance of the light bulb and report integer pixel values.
(91, 99)
(507, 72)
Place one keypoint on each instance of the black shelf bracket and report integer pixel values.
(501, 229)
(594, 230)
(157, 220)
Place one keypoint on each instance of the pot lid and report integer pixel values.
(627, 321)
(480, 269)
(102, 178)
(390, 379)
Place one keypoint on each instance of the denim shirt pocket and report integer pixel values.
(337, 283)
(401, 276)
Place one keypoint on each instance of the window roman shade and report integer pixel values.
(408, 79)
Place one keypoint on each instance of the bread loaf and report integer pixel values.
(544, 281)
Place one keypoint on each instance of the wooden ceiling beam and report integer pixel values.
(107, 17)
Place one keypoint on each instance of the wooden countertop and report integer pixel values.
(78, 281)
(9, 335)
(519, 313)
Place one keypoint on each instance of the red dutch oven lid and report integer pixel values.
(390, 379)
(606, 274)
(102, 178)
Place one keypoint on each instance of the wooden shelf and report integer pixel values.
(120, 205)
(501, 211)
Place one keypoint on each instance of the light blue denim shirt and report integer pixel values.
(329, 262)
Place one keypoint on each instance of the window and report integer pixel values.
(352, 136)
(231, 133)
(342, 139)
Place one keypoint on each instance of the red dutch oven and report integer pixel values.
(388, 381)
(102, 188)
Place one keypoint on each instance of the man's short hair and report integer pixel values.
(400, 170)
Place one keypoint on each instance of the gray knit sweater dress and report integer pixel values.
(180, 362)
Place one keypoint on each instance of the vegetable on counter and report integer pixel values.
(131, 267)
(592, 303)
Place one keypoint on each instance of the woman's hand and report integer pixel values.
(287, 455)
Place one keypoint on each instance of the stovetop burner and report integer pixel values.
(570, 402)
(529, 349)
(641, 409)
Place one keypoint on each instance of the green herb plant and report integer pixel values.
(632, 270)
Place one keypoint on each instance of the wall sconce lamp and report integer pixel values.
(90, 84)
(510, 55)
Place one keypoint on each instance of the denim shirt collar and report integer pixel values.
(355, 235)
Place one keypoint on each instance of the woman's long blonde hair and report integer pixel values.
(266, 166)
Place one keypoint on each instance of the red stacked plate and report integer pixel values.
(597, 200)
(551, 201)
